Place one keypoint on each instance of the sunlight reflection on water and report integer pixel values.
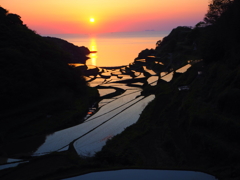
(116, 49)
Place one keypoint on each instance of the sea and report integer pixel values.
(116, 48)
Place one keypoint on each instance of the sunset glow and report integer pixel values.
(69, 16)
(92, 20)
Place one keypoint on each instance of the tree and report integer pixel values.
(14, 18)
(216, 8)
(3, 12)
(158, 43)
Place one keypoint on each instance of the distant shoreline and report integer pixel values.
(112, 67)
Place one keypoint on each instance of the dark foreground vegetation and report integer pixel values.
(193, 129)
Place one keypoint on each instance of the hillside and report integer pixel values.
(195, 129)
(76, 54)
(39, 92)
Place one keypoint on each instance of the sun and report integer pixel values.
(92, 20)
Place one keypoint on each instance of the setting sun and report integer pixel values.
(103, 16)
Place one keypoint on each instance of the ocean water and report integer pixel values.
(115, 49)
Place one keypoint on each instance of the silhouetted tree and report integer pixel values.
(220, 41)
(14, 18)
(3, 12)
(200, 24)
(216, 8)
(158, 43)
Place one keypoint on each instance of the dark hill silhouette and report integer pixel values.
(40, 92)
(31, 67)
(77, 54)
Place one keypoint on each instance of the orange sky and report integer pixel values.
(72, 16)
